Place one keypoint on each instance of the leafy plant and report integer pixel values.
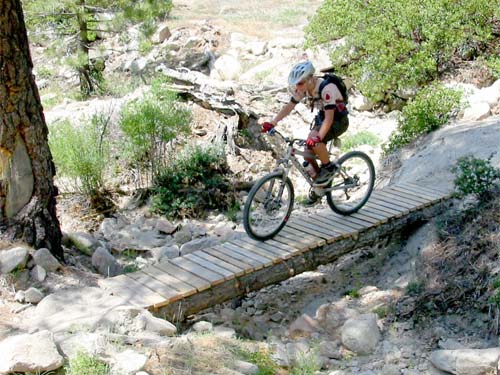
(307, 364)
(82, 154)
(429, 110)
(360, 138)
(150, 125)
(192, 183)
(493, 63)
(391, 45)
(85, 364)
(476, 176)
(262, 359)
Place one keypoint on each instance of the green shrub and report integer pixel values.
(150, 125)
(360, 138)
(475, 176)
(431, 108)
(85, 364)
(493, 64)
(81, 154)
(399, 44)
(192, 183)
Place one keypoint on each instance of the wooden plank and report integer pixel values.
(409, 195)
(183, 289)
(336, 225)
(307, 241)
(383, 217)
(215, 267)
(131, 290)
(342, 231)
(292, 248)
(256, 249)
(419, 192)
(286, 240)
(183, 275)
(245, 255)
(276, 251)
(341, 220)
(316, 230)
(427, 197)
(349, 221)
(404, 199)
(225, 254)
(289, 250)
(305, 237)
(360, 215)
(237, 271)
(154, 284)
(381, 206)
(392, 200)
(214, 278)
(425, 189)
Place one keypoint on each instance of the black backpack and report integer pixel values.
(337, 81)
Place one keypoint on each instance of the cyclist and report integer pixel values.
(329, 123)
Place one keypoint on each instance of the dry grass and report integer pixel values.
(197, 354)
(260, 18)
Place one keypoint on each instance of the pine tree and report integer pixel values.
(27, 191)
(77, 22)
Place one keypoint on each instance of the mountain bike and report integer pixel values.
(270, 201)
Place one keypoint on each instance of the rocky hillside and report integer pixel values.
(402, 306)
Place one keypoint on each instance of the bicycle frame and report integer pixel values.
(284, 165)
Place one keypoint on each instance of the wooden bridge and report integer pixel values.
(185, 285)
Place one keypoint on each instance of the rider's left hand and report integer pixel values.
(313, 140)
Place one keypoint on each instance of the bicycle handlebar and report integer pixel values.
(291, 141)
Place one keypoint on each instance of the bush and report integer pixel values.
(394, 45)
(150, 125)
(360, 138)
(431, 108)
(85, 364)
(476, 176)
(82, 154)
(193, 183)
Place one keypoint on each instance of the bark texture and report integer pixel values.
(27, 191)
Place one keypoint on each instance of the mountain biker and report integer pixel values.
(329, 123)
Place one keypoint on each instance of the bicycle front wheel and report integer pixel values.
(352, 184)
(268, 206)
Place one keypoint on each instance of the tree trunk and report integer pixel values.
(27, 191)
(86, 85)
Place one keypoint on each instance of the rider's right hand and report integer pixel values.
(267, 127)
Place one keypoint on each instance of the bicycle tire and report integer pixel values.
(350, 199)
(260, 213)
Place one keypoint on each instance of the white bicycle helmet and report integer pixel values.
(300, 71)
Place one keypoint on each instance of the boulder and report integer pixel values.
(13, 258)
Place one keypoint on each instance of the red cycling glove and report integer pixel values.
(313, 141)
(266, 127)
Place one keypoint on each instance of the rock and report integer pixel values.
(246, 368)
(29, 353)
(478, 111)
(146, 321)
(33, 295)
(333, 315)
(105, 263)
(466, 361)
(198, 244)
(13, 258)
(361, 334)
(226, 67)
(38, 274)
(128, 362)
(165, 226)
(304, 325)
(20, 296)
(162, 33)
(202, 327)
(84, 242)
(360, 103)
(224, 332)
(43, 258)
(168, 252)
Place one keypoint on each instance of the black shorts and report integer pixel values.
(339, 127)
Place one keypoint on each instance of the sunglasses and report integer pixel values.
(301, 83)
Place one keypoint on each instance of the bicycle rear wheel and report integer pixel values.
(268, 206)
(352, 184)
